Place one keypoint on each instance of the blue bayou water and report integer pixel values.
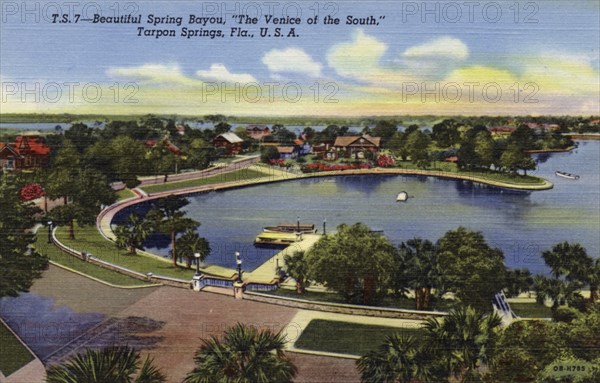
(522, 224)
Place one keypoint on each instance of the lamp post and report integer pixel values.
(325, 226)
(197, 256)
(238, 261)
(49, 231)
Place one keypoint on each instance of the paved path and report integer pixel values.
(238, 164)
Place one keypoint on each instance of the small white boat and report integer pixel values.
(567, 175)
(402, 197)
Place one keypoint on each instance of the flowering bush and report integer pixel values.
(31, 191)
(280, 163)
(385, 161)
(320, 167)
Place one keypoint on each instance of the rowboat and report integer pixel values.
(402, 197)
(567, 175)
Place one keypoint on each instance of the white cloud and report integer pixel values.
(445, 47)
(218, 72)
(358, 57)
(151, 72)
(292, 60)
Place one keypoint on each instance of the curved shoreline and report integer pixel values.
(104, 219)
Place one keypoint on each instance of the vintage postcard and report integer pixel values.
(299, 191)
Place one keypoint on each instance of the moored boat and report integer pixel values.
(567, 175)
(291, 228)
(277, 238)
(402, 197)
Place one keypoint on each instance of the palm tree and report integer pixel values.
(398, 360)
(423, 270)
(117, 364)
(464, 341)
(297, 268)
(558, 291)
(569, 260)
(244, 355)
(191, 243)
(133, 233)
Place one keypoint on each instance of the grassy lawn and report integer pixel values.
(124, 194)
(56, 255)
(13, 355)
(347, 338)
(238, 175)
(531, 310)
(89, 239)
(389, 302)
(492, 176)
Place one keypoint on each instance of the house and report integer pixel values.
(322, 150)
(357, 146)
(180, 129)
(287, 152)
(303, 148)
(229, 142)
(168, 144)
(501, 130)
(26, 153)
(258, 132)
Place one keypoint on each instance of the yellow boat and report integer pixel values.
(278, 239)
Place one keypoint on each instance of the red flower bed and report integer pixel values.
(320, 167)
(30, 192)
(280, 163)
(385, 161)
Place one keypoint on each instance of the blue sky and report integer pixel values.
(418, 60)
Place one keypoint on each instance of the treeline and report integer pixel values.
(364, 267)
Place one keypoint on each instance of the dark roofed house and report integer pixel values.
(357, 146)
(26, 153)
(231, 143)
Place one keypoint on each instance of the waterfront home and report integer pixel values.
(287, 152)
(357, 147)
(28, 152)
(258, 132)
(231, 143)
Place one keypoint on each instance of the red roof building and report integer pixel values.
(168, 144)
(26, 153)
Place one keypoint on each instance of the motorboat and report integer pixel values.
(567, 175)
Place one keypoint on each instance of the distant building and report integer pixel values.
(231, 143)
(258, 132)
(168, 144)
(287, 152)
(26, 153)
(357, 146)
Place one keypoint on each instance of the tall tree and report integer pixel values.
(418, 144)
(87, 195)
(475, 272)
(464, 341)
(81, 136)
(570, 262)
(133, 233)
(297, 268)
(117, 364)
(166, 217)
(356, 262)
(20, 264)
(385, 130)
(423, 270)
(244, 355)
